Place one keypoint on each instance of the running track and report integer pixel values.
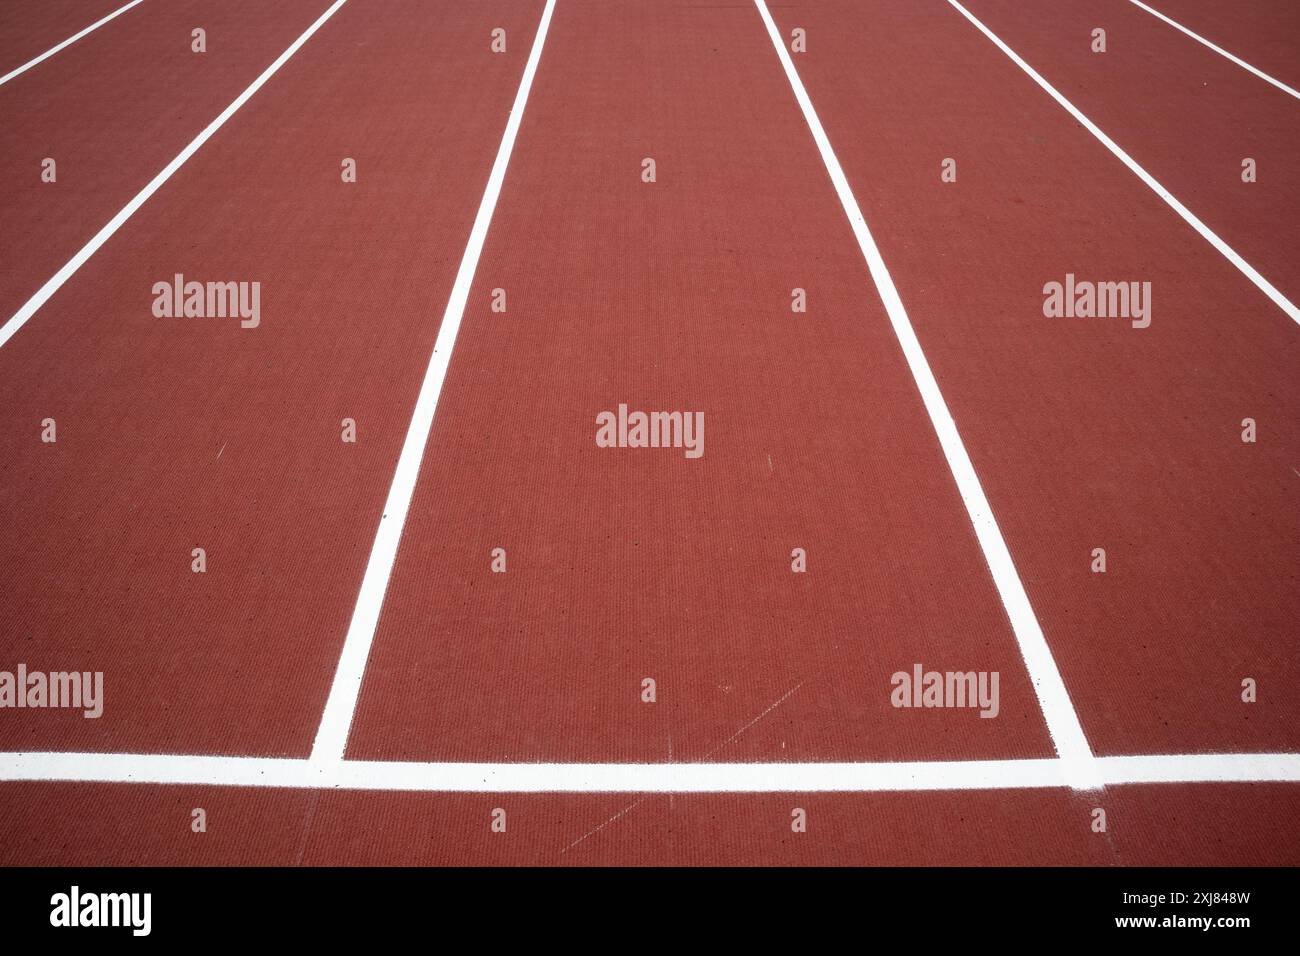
(349, 681)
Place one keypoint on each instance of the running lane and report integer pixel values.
(132, 825)
(1187, 115)
(1261, 32)
(112, 111)
(623, 565)
(1087, 433)
(29, 29)
(175, 434)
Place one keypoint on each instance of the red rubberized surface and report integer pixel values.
(1198, 117)
(1085, 433)
(29, 29)
(176, 434)
(634, 564)
(127, 99)
(1261, 32)
(627, 564)
(1206, 824)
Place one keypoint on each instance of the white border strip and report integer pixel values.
(1217, 49)
(641, 778)
(1244, 267)
(332, 735)
(66, 43)
(56, 282)
(1058, 711)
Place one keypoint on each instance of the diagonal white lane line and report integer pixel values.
(332, 735)
(68, 42)
(32, 305)
(1058, 711)
(1244, 267)
(1217, 49)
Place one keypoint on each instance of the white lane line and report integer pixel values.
(1058, 711)
(1217, 49)
(30, 307)
(641, 778)
(1246, 269)
(1202, 768)
(332, 735)
(68, 42)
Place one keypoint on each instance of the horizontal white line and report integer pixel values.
(68, 42)
(1201, 768)
(1208, 234)
(641, 778)
(1217, 49)
(55, 282)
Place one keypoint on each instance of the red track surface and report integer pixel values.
(669, 296)
(1198, 116)
(29, 29)
(625, 564)
(128, 97)
(1091, 434)
(1261, 32)
(1221, 824)
(175, 436)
